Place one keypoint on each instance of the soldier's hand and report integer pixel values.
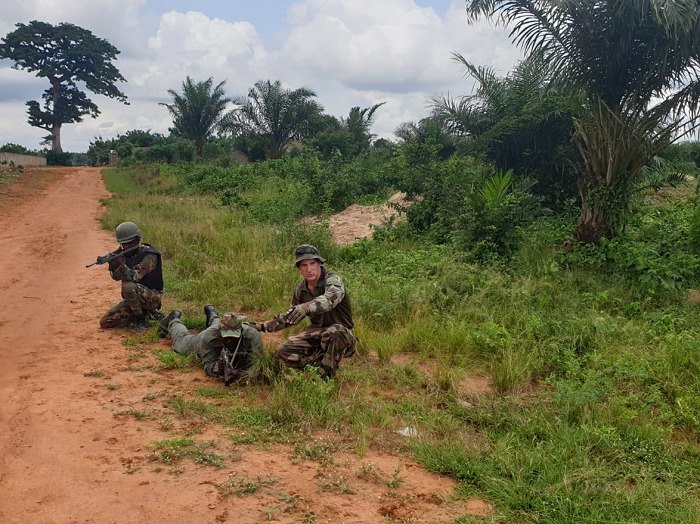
(296, 314)
(116, 263)
(275, 324)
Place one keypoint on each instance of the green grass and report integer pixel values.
(172, 451)
(592, 415)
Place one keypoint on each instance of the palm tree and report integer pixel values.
(636, 63)
(358, 123)
(431, 131)
(521, 122)
(274, 116)
(197, 111)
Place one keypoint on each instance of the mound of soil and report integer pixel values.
(358, 221)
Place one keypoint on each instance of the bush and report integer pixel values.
(657, 253)
(58, 159)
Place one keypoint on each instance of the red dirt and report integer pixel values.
(72, 448)
(358, 221)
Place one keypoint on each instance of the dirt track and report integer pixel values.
(71, 451)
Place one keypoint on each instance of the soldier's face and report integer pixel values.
(310, 270)
(130, 244)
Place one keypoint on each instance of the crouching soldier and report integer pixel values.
(140, 272)
(229, 336)
(322, 297)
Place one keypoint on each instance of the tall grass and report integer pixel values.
(592, 415)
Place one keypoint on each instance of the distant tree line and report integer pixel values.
(589, 116)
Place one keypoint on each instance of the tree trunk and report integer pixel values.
(593, 222)
(56, 127)
(56, 139)
(592, 225)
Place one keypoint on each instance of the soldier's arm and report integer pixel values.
(333, 295)
(140, 270)
(335, 291)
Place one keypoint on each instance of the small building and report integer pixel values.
(114, 157)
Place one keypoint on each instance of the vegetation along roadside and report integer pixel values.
(592, 356)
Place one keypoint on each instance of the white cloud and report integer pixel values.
(351, 52)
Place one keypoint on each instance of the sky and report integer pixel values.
(349, 52)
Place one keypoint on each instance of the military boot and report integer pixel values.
(165, 323)
(210, 313)
(139, 324)
(326, 372)
(156, 315)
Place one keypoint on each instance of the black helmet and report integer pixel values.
(306, 252)
(127, 231)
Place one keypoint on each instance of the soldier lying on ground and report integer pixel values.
(229, 332)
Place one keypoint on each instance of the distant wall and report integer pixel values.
(22, 160)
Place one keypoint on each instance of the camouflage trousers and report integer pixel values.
(321, 347)
(139, 300)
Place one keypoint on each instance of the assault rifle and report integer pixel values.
(104, 259)
(231, 374)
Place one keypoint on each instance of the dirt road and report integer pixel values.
(73, 446)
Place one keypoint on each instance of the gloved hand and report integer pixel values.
(275, 324)
(115, 263)
(259, 326)
(296, 314)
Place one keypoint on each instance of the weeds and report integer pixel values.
(593, 355)
(244, 486)
(171, 451)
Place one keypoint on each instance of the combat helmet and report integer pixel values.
(127, 231)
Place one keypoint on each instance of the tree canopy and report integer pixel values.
(348, 136)
(636, 63)
(197, 111)
(522, 122)
(64, 54)
(273, 116)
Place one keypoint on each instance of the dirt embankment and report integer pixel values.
(81, 407)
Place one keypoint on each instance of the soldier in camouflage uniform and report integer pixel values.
(140, 272)
(322, 297)
(231, 331)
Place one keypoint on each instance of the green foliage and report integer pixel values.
(658, 253)
(172, 451)
(273, 116)
(463, 202)
(198, 110)
(557, 387)
(687, 150)
(347, 137)
(16, 148)
(172, 360)
(491, 220)
(694, 229)
(125, 145)
(58, 159)
(615, 57)
(290, 188)
(303, 401)
(522, 123)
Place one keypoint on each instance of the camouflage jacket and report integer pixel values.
(143, 266)
(329, 301)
